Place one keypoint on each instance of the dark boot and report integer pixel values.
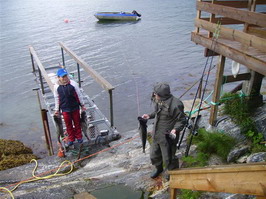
(157, 172)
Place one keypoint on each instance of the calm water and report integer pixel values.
(132, 56)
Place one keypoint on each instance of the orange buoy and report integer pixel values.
(66, 20)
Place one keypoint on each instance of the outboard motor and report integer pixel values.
(136, 13)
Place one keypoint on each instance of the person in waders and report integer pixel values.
(170, 119)
(68, 99)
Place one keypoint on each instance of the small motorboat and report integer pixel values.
(118, 15)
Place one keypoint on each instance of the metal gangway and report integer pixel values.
(46, 78)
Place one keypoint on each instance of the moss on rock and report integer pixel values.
(14, 153)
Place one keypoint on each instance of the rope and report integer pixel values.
(66, 163)
(35, 178)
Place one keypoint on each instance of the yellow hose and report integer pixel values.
(35, 178)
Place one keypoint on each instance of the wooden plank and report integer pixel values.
(234, 13)
(237, 4)
(209, 53)
(98, 78)
(251, 62)
(243, 179)
(234, 35)
(41, 67)
(258, 166)
(223, 20)
(217, 89)
(173, 194)
(239, 77)
(198, 16)
(256, 30)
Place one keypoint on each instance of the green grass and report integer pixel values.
(189, 194)
(237, 108)
(239, 111)
(209, 143)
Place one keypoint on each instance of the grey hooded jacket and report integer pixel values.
(168, 113)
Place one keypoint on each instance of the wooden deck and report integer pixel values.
(234, 30)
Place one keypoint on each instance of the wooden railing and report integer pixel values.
(247, 179)
(41, 70)
(97, 77)
(246, 47)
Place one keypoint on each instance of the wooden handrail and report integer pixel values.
(233, 13)
(98, 78)
(235, 4)
(234, 35)
(238, 178)
(251, 62)
(41, 68)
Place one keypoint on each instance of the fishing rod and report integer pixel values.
(216, 34)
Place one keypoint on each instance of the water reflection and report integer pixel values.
(119, 192)
(112, 22)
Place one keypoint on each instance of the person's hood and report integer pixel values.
(163, 90)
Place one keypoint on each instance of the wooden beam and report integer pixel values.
(256, 30)
(198, 16)
(223, 20)
(98, 78)
(238, 178)
(239, 77)
(234, 35)
(251, 62)
(234, 13)
(217, 89)
(41, 67)
(209, 53)
(237, 4)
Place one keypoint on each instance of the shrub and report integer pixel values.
(189, 194)
(238, 109)
(209, 143)
(214, 143)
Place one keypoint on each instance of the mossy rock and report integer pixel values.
(8, 147)
(11, 161)
(14, 153)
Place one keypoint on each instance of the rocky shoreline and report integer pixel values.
(123, 163)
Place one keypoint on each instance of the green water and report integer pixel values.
(119, 192)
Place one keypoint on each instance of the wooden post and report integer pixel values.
(251, 7)
(32, 63)
(172, 193)
(79, 75)
(198, 17)
(63, 58)
(212, 16)
(251, 89)
(217, 89)
(40, 77)
(111, 108)
(47, 132)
